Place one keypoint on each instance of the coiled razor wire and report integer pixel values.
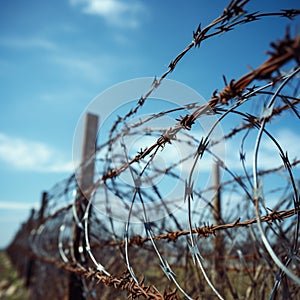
(176, 256)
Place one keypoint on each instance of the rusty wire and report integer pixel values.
(178, 252)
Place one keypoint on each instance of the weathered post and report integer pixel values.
(85, 181)
(43, 206)
(218, 258)
(31, 263)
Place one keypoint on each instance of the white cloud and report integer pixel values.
(99, 69)
(28, 43)
(289, 141)
(268, 154)
(31, 156)
(88, 68)
(114, 12)
(18, 205)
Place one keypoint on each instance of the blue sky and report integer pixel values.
(56, 56)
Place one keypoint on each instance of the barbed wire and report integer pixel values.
(196, 250)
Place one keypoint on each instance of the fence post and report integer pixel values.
(31, 263)
(218, 258)
(43, 206)
(75, 291)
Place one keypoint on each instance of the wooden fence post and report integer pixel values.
(75, 291)
(31, 263)
(43, 206)
(218, 258)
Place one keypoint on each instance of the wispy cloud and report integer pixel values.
(114, 12)
(289, 141)
(85, 67)
(11, 205)
(31, 155)
(28, 43)
(268, 155)
(99, 68)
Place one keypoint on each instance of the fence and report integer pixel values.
(234, 238)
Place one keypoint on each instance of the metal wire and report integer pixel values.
(175, 256)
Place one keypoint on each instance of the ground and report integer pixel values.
(11, 286)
